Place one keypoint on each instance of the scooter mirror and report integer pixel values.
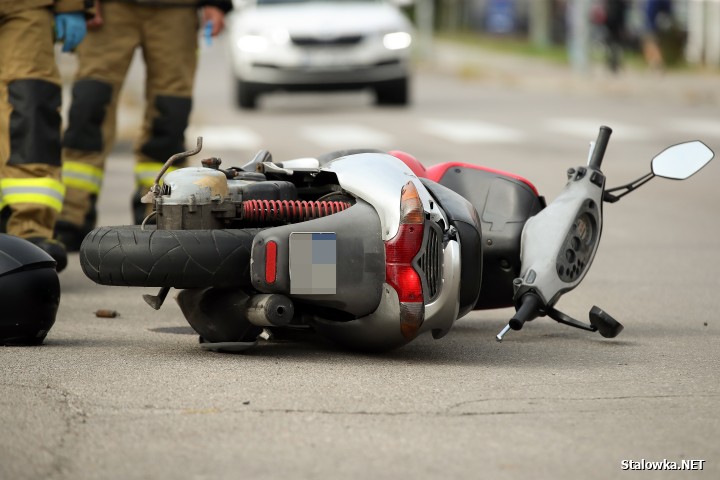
(682, 160)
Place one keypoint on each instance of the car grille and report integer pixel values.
(322, 42)
(430, 262)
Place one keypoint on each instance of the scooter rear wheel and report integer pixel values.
(130, 256)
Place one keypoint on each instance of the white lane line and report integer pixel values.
(224, 137)
(346, 136)
(697, 128)
(471, 131)
(587, 128)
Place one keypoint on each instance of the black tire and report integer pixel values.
(129, 256)
(246, 94)
(392, 92)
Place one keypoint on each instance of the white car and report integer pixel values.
(316, 45)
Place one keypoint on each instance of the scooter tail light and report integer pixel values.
(406, 281)
(411, 209)
(399, 254)
(411, 318)
(403, 247)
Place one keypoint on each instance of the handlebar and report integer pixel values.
(529, 310)
(559, 243)
(600, 146)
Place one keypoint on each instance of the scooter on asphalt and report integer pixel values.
(365, 247)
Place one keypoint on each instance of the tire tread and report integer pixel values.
(129, 256)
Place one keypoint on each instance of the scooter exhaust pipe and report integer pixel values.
(269, 310)
(218, 314)
(230, 315)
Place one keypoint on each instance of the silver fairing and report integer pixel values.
(440, 314)
(378, 178)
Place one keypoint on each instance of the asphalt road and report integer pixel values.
(135, 397)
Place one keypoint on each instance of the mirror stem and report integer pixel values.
(610, 196)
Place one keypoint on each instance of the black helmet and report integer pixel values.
(29, 292)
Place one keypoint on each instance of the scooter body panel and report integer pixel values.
(349, 277)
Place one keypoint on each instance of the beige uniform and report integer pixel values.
(31, 191)
(167, 34)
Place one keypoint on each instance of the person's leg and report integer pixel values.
(31, 191)
(170, 53)
(104, 58)
(652, 53)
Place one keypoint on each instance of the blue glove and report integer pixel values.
(207, 32)
(71, 28)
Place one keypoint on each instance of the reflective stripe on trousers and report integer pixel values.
(145, 173)
(40, 191)
(82, 176)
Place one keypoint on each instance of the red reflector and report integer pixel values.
(270, 262)
(403, 247)
(406, 281)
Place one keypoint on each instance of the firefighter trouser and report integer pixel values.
(31, 191)
(167, 37)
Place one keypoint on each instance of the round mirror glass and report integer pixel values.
(682, 160)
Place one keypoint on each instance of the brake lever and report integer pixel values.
(600, 321)
(604, 323)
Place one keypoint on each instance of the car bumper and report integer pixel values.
(301, 79)
(321, 67)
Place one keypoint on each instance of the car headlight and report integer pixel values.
(252, 43)
(255, 43)
(397, 40)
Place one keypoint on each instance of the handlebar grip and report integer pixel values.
(529, 309)
(600, 146)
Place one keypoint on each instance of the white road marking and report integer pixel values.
(697, 127)
(457, 131)
(588, 128)
(224, 137)
(346, 136)
(471, 131)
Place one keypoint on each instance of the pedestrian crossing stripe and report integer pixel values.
(471, 131)
(456, 131)
(587, 128)
(225, 137)
(699, 127)
(346, 136)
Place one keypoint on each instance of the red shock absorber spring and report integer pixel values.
(289, 210)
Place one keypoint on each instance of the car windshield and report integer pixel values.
(278, 2)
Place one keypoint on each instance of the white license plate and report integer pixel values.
(313, 263)
(326, 58)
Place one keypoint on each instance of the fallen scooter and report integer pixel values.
(367, 248)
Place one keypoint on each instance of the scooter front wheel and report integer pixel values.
(131, 256)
